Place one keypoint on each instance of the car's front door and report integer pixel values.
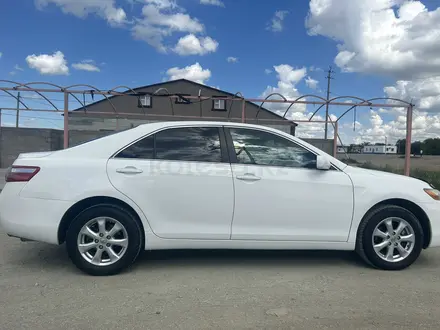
(279, 193)
(181, 179)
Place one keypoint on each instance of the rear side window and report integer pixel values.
(143, 149)
(200, 144)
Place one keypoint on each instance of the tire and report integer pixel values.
(115, 253)
(378, 219)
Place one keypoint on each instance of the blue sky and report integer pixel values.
(120, 39)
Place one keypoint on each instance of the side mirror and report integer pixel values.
(322, 163)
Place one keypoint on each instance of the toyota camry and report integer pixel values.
(213, 185)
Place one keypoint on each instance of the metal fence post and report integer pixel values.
(66, 120)
(335, 139)
(408, 140)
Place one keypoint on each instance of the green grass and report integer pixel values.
(433, 177)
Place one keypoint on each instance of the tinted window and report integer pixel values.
(189, 144)
(142, 149)
(263, 148)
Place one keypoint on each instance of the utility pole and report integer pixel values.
(329, 77)
(386, 144)
(18, 110)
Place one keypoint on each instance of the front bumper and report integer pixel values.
(30, 218)
(432, 210)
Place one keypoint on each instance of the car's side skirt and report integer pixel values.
(155, 243)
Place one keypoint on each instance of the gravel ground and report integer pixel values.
(40, 289)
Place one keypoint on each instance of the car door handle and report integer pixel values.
(248, 177)
(129, 170)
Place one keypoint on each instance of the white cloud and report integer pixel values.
(150, 34)
(173, 22)
(312, 83)
(212, 3)
(288, 78)
(191, 45)
(193, 72)
(232, 59)
(86, 65)
(161, 18)
(1, 54)
(162, 4)
(276, 24)
(394, 37)
(54, 64)
(16, 69)
(267, 71)
(425, 93)
(424, 126)
(106, 9)
(315, 69)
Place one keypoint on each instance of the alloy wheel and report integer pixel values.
(102, 241)
(393, 239)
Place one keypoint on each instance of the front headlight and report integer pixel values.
(434, 193)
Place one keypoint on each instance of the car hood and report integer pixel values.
(354, 169)
(357, 172)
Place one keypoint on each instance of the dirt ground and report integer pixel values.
(41, 289)
(429, 163)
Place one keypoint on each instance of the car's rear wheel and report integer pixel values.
(390, 238)
(104, 240)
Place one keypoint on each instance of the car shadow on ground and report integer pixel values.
(39, 256)
(247, 258)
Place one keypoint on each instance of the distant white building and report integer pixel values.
(379, 150)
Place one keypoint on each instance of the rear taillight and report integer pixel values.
(21, 173)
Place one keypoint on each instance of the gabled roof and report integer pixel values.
(187, 81)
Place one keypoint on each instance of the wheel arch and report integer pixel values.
(83, 204)
(411, 207)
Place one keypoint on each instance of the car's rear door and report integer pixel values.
(279, 193)
(181, 179)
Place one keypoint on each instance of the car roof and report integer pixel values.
(107, 146)
(200, 123)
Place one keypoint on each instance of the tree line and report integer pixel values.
(429, 146)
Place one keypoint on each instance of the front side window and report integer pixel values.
(189, 144)
(263, 148)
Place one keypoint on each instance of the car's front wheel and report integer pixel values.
(390, 238)
(103, 240)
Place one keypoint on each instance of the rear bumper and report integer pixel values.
(30, 218)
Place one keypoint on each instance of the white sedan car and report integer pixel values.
(209, 185)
